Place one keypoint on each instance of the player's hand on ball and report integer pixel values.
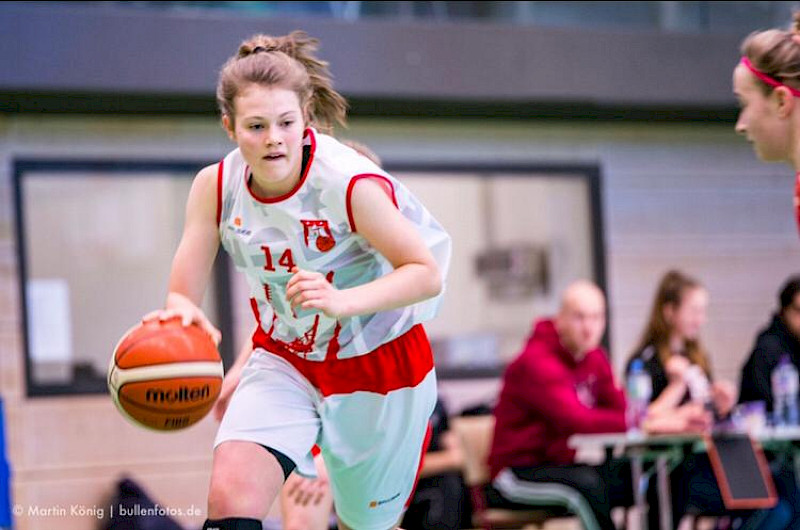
(181, 307)
(311, 290)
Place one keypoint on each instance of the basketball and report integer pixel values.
(165, 376)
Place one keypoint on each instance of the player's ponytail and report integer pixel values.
(290, 62)
(327, 107)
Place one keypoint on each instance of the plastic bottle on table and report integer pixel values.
(785, 385)
(639, 390)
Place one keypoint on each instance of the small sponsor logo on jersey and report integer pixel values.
(375, 504)
(318, 233)
(236, 227)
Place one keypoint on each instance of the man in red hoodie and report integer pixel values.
(561, 384)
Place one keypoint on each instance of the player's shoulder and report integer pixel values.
(209, 171)
(207, 175)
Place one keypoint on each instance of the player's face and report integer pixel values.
(269, 129)
(759, 120)
(690, 316)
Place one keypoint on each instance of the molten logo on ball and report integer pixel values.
(183, 394)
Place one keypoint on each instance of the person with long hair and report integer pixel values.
(766, 83)
(673, 354)
(344, 265)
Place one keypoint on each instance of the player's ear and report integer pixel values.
(227, 124)
(785, 101)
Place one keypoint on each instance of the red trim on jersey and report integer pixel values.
(270, 200)
(219, 192)
(350, 194)
(425, 444)
(401, 363)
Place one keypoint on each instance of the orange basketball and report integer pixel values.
(165, 376)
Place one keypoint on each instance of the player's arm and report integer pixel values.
(415, 277)
(191, 266)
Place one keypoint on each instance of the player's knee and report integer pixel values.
(224, 501)
(232, 494)
(245, 480)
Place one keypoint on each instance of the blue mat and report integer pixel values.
(5, 476)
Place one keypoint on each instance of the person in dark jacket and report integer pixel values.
(780, 337)
(561, 384)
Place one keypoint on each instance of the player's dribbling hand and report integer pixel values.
(311, 290)
(181, 307)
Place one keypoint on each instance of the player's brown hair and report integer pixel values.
(288, 62)
(776, 53)
(671, 291)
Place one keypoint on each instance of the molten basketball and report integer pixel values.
(165, 376)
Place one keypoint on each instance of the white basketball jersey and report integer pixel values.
(312, 228)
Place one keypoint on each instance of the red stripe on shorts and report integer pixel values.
(425, 444)
(401, 363)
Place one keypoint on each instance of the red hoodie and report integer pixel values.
(547, 396)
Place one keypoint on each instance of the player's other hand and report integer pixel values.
(312, 290)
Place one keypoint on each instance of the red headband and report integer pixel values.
(771, 81)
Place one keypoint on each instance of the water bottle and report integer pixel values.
(785, 384)
(640, 389)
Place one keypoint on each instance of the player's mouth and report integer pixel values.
(273, 157)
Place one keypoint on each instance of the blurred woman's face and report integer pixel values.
(687, 319)
(759, 118)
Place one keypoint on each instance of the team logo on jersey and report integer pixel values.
(319, 233)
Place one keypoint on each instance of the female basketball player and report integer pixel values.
(767, 84)
(343, 265)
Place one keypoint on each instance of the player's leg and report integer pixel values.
(372, 445)
(245, 481)
(268, 429)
